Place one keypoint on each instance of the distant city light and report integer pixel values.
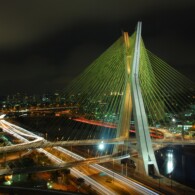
(173, 120)
(7, 183)
(49, 184)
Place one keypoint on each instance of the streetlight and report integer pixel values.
(173, 122)
(101, 146)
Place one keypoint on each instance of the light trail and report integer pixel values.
(59, 162)
(100, 188)
(114, 126)
(22, 146)
(18, 136)
(128, 182)
(41, 143)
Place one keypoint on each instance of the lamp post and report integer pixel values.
(173, 122)
(126, 168)
(182, 131)
(173, 125)
(113, 177)
(88, 152)
(159, 183)
(170, 176)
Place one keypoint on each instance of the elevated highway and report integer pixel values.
(60, 164)
(32, 141)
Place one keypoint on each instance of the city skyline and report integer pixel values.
(44, 45)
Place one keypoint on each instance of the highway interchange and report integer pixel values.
(29, 138)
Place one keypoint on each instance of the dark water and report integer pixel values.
(174, 162)
(178, 163)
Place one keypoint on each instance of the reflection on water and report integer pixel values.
(169, 162)
(166, 160)
(178, 163)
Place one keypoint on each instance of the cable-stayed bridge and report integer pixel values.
(126, 85)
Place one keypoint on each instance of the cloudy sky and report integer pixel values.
(46, 43)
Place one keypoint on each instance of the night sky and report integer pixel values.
(44, 44)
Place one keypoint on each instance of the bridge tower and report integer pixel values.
(133, 100)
